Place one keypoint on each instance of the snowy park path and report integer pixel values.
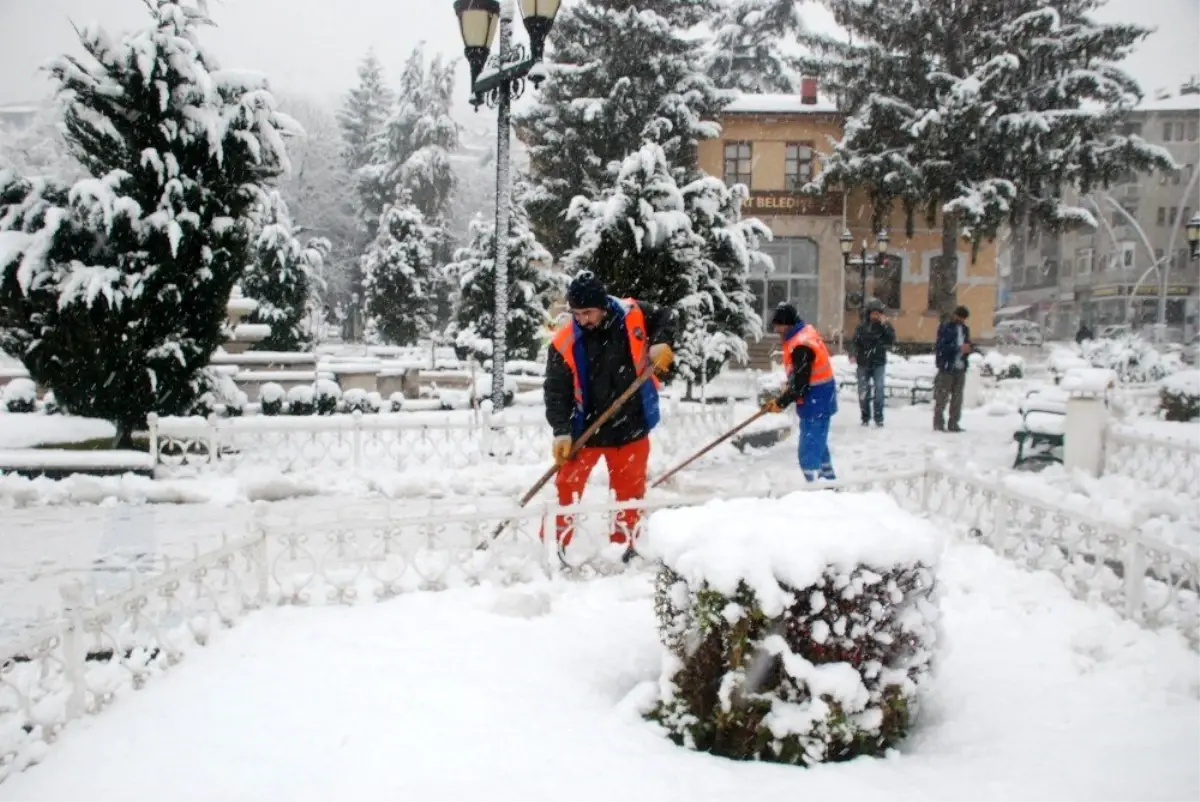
(42, 547)
(521, 693)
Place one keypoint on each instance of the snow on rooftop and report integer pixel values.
(780, 104)
(1174, 103)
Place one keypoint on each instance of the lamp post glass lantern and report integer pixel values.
(865, 262)
(1193, 236)
(478, 22)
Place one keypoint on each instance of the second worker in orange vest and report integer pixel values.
(811, 388)
(591, 361)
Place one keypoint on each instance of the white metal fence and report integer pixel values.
(76, 663)
(399, 441)
(1160, 462)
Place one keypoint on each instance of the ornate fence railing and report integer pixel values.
(1161, 462)
(398, 441)
(98, 647)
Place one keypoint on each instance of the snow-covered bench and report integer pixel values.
(57, 463)
(1043, 425)
(915, 390)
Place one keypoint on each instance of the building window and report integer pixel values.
(1176, 177)
(888, 281)
(1049, 275)
(794, 279)
(1173, 215)
(1187, 215)
(798, 165)
(1179, 132)
(1083, 261)
(1166, 132)
(1127, 251)
(739, 161)
(943, 284)
(1187, 172)
(1162, 216)
(1193, 130)
(1131, 129)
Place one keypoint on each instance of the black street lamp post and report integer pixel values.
(478, 21)
(865, 262)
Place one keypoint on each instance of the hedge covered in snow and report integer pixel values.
(1002, 366)
(798, 630)
(1179, 396)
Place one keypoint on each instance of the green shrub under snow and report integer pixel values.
(1179, 396)
(797, 630)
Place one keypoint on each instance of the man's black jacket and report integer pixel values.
(610, 371)
(872, 340)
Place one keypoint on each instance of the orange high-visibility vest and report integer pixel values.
(635, 327)
(809, 337)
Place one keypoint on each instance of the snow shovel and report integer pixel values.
(764, 411)
(578, 445)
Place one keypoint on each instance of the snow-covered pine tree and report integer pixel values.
(285, 278)
(629, 72)
(398, 275)
(980, 115)
(364, 112)
(38, 148)
(114, 290)
(747, 53)
(319, 193)
(637, 238)
(411, 152)
(730, 255)
(533, 285)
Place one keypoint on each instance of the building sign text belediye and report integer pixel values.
(765, 203)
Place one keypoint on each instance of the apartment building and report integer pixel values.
(1111, 274)
(774, 145)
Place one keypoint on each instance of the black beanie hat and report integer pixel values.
(785, 315)
(587, 292)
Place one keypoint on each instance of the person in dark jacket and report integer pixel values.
(951, 351)
(591, 362)
(872, 339)
(1084, 334)
(811, 387)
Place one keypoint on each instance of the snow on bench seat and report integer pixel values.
(1046, 423)
(64, 461)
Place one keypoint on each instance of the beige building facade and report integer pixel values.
(774, 145)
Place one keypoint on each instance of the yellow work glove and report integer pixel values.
(662, 357)
(561, 450)
(773, 407)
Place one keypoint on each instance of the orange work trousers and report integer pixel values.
(626, 476)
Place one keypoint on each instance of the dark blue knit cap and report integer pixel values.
(587, 292)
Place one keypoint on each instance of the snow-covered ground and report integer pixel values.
(48, 538)
(531, 693)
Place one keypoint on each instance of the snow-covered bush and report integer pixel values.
(50, 404)
(219, 394)
(20, 395)
(1135, 360)
(1064, 359)
(271, 397)
(1179, 396)
(300, 401)
(793, 649)
(395, 402)
(359, 400)
(327, 395)
(1002, 366)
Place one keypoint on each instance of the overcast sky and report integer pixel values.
(314, 46)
